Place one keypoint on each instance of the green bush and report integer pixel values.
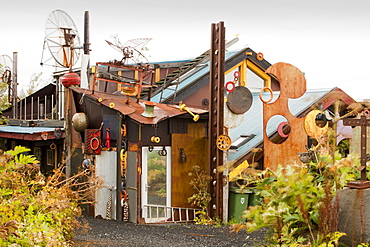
(35, 210)
(298, 205)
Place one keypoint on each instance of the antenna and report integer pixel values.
(61, 39)
(131, 49)
(6, 69)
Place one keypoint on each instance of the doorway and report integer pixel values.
(156, 183)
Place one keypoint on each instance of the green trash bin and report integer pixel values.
(238, 203)
(254, 199)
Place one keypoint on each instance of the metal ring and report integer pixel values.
(366, 113)
(124, 197)
(259, 56)
(236, 74)
(162, 152)
(271, 95)
(123, 166)
(122, 155)
(91, 143)
(124, 146)
(280, 129)
(124, 132)
(230, 86)
(155, 139)
(53, 146)
(150, 148)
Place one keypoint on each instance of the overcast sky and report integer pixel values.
(329, 40)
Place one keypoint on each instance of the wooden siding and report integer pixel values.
(195, 146)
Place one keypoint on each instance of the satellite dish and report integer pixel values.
(6, 64)
(62, 39)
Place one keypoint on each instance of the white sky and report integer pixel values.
(326, 39)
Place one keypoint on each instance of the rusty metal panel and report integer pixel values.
(130, 106)
(93, 141)
(293, 85)
(216, 115)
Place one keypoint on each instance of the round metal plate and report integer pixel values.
(240, 100)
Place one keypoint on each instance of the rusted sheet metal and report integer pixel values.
(292, 85)
(334, 96)
(130, 107)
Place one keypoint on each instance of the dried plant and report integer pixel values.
(36, 210)
(202, 197)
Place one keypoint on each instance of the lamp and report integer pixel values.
(182, 156)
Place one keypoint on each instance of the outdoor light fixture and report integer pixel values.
(182, 156)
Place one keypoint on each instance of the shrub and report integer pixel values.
(297, 200)
(36, 210)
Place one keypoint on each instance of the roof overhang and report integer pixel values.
(133, 108)
(28, 133)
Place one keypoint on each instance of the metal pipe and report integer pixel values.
(25, 108)
(20, 110)
(52, 103)
(46, 106)
(31, 108)
(38, 108)
(14, 84)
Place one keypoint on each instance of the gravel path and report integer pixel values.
(111, 233)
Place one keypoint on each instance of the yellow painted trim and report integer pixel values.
(136, 75)
(157, 74)
(119, 86)
(243, 65)
(260, 73)
(239, 64)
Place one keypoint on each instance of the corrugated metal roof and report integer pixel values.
(24, 130)
(169, 91)
(134, 109)
(253, 119)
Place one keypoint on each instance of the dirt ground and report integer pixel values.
(111, 233)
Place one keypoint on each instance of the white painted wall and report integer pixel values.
(106, 170)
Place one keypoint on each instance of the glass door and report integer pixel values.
(156, 183)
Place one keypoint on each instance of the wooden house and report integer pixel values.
(249, 117)
(141, 150)
(35, 123)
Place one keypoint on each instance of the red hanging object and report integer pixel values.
(107, 138)
(70, 79)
